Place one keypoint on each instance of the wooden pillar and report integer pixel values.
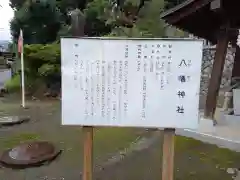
(216, 75)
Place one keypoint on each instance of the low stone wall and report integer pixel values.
(207, 63)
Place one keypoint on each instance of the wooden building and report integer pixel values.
(217, 21)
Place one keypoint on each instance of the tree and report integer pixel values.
(138, 18)
(44, 21)
(96, 19)
(149, 22)
(40, 22)
(16, 4)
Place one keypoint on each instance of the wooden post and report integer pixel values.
(216, 75)
(87, 153)
(168, 154)
(78, 25)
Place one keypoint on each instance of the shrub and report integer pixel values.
(42, 67)
(13, 84)
(40, 59)
(43, 63)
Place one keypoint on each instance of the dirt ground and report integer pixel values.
(45, 124)
(193, 160)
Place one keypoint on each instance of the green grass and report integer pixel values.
(113, 139)
(208, 153)
(12, 141)
(199, 161)
(194, 160)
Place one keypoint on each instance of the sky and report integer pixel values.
(6, 14)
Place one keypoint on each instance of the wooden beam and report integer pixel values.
(216, 75)
(176, 16)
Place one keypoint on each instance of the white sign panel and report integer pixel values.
(131, 82)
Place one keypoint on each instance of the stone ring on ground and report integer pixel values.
(29, 154)
(12, 120)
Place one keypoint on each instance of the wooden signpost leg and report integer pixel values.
(77, 27)
(168, 154)
(88, 153)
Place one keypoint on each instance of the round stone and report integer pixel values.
(32, 153)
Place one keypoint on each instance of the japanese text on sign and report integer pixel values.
(133, 83)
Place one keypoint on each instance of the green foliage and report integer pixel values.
(40, 22)
(96, 19)
(44, 53)
(13, 84)
(49, 69)
(149, 22)
(16, 4)
(64, 31)
(45, 21)
(42, 65)
(42, 60)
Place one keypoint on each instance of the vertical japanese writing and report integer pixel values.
(114, 91)
(181, 94)
(81, 78)
(180, 109)
(92, 92)
(144, 87)
(121, 93)
(75, 73)
(139, 56)
(125, 87)
(169, 62)
(162, 75)
(151, 60)
(185, 63)
(98, 88)
(128, 82)
(86, 112)
(103, 90)
(144, 82)
(109, 69)
(120, 71)
(182, 78)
